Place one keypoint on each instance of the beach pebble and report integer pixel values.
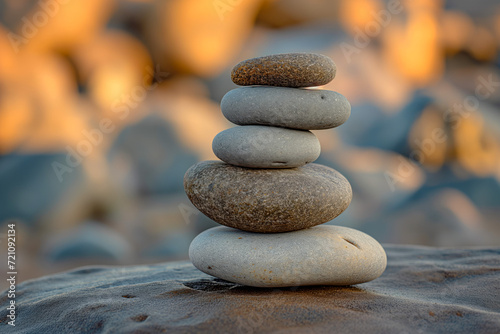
(267, 200)
(260, 146)
(286, 70)
(306, 109)
(321, 255)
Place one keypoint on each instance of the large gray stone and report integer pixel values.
(307, 109)
(285, 70)
(423, 290)
(154, 155)
(320, 255)
(22, 177)
(90, 240)
(267, 200)
(260, 146)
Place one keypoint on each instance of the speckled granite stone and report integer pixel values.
(306, 109)
(267, 200)
(320, 255)
(259, 146)
(285, 70)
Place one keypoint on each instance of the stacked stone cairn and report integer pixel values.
(266, 191)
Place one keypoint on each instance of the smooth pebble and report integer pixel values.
(267, 200)
(321, 255)
(260, 146)
(306, 109)
(285, 70)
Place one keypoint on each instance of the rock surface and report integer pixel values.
(285, 70)
(321, 255)
(267, 200)
(306, 109)
(423, 290)
(258, 146)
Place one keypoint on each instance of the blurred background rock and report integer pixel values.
(105, 104)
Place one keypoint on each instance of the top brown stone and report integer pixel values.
(285, 70)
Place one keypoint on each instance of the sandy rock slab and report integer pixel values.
(423, 290)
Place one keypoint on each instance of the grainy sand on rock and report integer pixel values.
(423, 290)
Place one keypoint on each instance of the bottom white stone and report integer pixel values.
(321, 255)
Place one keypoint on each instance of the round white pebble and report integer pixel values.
(321, 255)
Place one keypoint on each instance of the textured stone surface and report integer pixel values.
(259, 146)
(307, 109)
(320, 255)
(423, 290)
(285, 70)
(267, 200)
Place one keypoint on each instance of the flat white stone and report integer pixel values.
(321, 255)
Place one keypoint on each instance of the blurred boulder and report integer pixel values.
(378, 179)
(195, 117)
(8, 61)
(30, 186)
(428, 139)
(116, 72)
(41, 97)
(445, 218)
(484, 192)
(456, 29)
(199, 36)
(310, 38)
(412, 43)
(157, 159)
(88, 241)
(157, 217)
(41, 26)
(369, 126)
(476, 147)
(354, 15)
(286, 13)
(131, 15)
(172, 246)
